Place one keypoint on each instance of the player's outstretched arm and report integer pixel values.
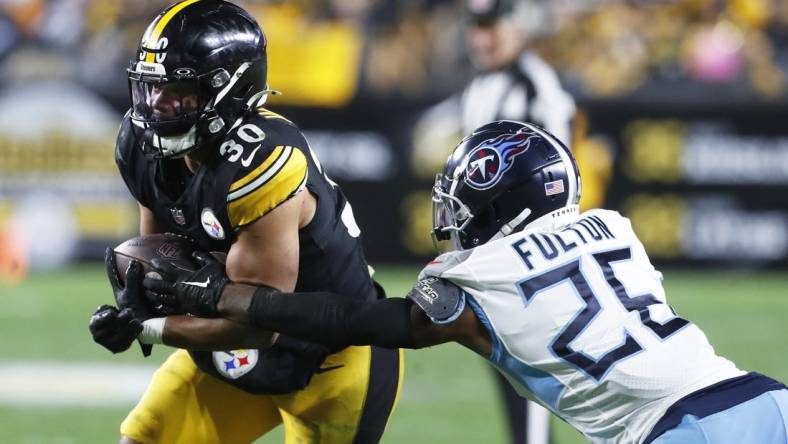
(334, 320)
(321, 317)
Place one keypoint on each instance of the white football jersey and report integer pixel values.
(580, 324)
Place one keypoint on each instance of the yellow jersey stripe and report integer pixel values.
(159, 28)
(263, 178)
(290, 179)
(275, 154)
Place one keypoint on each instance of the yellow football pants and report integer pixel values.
(348, 401)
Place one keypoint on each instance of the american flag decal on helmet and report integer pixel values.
(554, 187)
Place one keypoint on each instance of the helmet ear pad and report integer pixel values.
(480, 229)
(489, 220)
(508, 205)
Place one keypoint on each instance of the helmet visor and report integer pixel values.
(165, 101)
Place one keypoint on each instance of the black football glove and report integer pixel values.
(132, 296)
(114, 330)
(194, 292)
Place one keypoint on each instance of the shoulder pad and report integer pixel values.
(268, 167)
(124, 144)
(270, 115)
(130, 161)
(611, 220)
(444, 263)
(440, 299)
(265, 129)
(262, 185)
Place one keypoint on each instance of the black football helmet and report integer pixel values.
(502, 178)
(201, 65)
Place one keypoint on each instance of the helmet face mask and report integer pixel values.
(168, 109)
(450, 216)
(504, 177)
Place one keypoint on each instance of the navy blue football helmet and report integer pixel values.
(504, 177)
(200, 66)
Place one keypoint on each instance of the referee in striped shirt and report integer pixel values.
(512, 83)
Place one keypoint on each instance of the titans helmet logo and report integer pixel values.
(488, 162)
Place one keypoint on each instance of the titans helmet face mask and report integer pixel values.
(201, 66)
(450, 215)
(504, 177)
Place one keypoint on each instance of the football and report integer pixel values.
(170, 247)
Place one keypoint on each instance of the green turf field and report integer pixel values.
(447, 398)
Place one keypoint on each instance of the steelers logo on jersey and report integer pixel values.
(488, 162)
(235, 363)
(211, 224)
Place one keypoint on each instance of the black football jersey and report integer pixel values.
(263, 162)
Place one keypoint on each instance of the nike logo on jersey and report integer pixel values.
(199, 284)
(328, 369)
(248, 161)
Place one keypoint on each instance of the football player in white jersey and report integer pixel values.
(565, 305)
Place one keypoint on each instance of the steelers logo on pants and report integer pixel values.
(235, 363)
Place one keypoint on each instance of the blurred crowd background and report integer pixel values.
(682, 117)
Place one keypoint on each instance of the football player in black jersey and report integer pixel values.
(205, 160)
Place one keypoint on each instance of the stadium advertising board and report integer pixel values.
(704, 186)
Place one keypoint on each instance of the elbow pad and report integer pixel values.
(440, 299)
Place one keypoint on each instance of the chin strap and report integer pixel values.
(508, 228)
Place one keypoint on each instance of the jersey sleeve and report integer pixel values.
(280, 175)
(445, 263)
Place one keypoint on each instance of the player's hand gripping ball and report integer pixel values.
(169, 247)
(116, 328)
(194, 292)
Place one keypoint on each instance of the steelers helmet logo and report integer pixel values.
(235, 363)
(488, 162)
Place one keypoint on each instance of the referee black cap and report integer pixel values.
(487, 12)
